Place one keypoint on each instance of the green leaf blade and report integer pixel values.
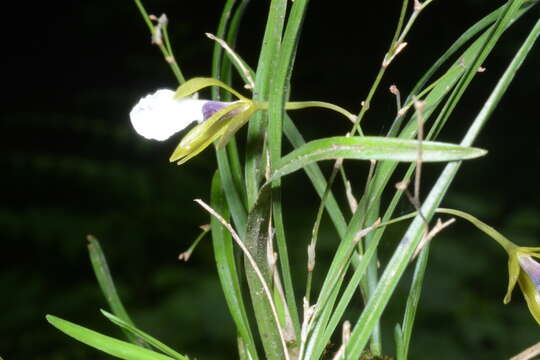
(141, 334)
(106, 283)
(107, 344)
(229, 275)
(372, 148)
(256, 242)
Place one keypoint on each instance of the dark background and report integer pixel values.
(72, 165)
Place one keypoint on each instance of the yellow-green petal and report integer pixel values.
(204, 134)
(531, 295)
(530, 250)
(514, 271)
(236, 123)
(193, 85)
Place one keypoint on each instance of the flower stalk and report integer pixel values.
(523, 269)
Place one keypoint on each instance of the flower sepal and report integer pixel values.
(223, 123)
(525, 270)
(193, 85)
(202, 135)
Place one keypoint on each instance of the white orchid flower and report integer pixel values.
(164, 113)
(158, 116)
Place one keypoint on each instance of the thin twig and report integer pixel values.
(315, 231)
(439, 226)
(528, 353)
(236, 58)
(187, 254)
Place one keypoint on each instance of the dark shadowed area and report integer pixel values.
(72, 165)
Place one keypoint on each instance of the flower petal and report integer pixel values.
(159, 116)
(193, 85)
(237, 123)
(202, 135)
(530, 292)
(513, 274)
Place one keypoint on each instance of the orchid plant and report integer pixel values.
(246, 209)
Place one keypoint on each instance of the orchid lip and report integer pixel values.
(158, 116)
(212, 107)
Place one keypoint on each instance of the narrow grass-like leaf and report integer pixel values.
(107, 344)
(349, 292)
(321, 333)
(485, 111)
(228, 160)
(276, 105)
(228, 270)
(285, 267)
(259, 204)
(106, 283)
(413, 298)
(385, 170)
(370, 281)
(266, 65)
(404, 252)
(233, 194)
(382, 176)
(226, 74)
(281, 77)
(141, 334)
(257, 237)
(217, 53)
(371, 148)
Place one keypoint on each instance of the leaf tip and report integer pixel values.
(51, 319)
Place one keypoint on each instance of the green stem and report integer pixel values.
(168, 55)
(491, 232)
(366, 103)
(298, 105)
